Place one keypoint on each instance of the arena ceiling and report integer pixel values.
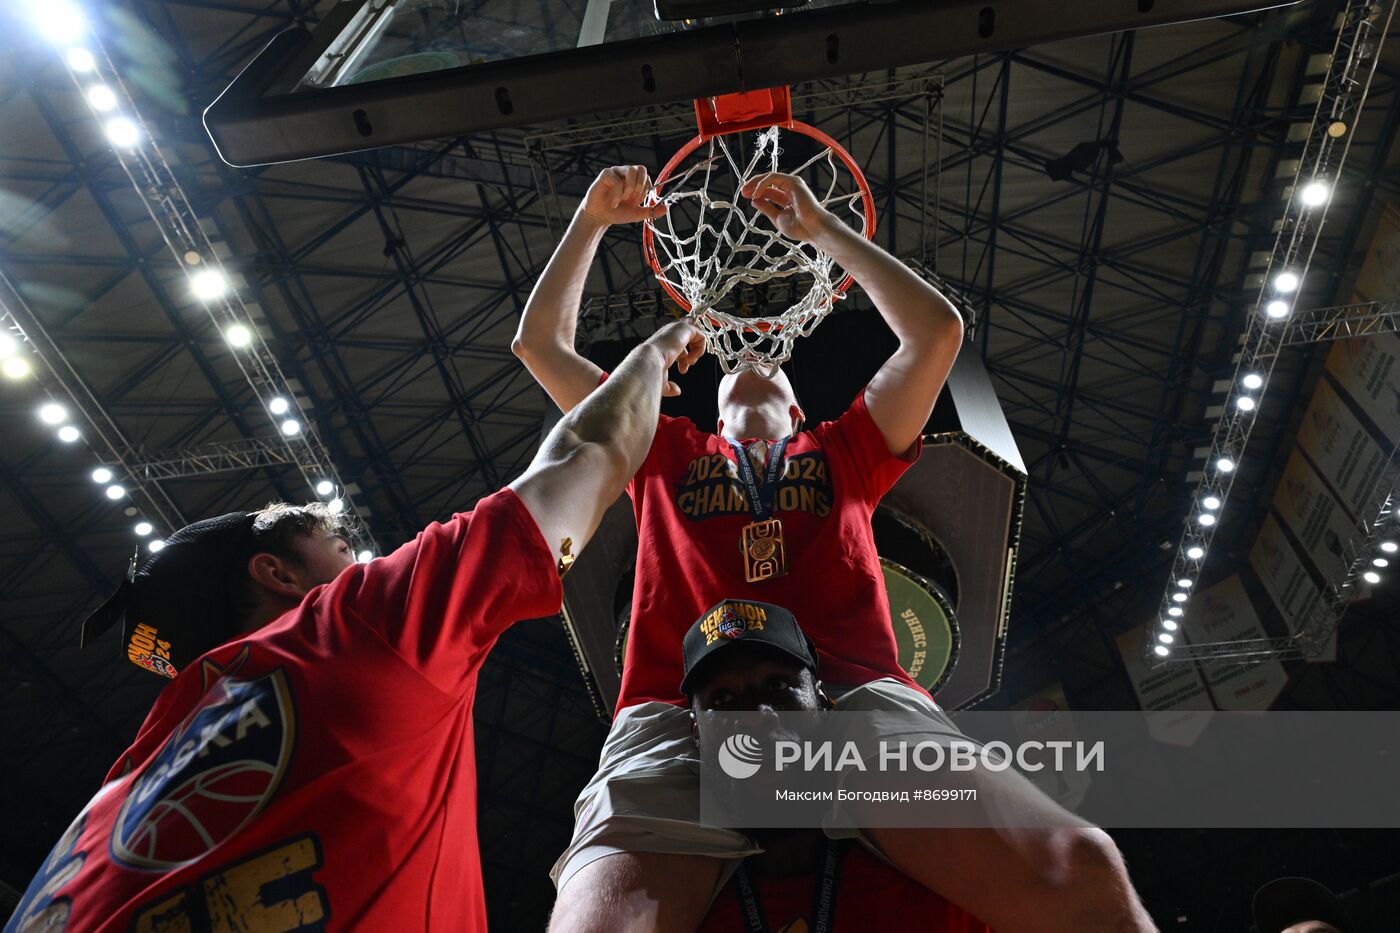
(1106, 306)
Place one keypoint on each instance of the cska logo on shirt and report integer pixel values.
(711, 487)
(212, 776)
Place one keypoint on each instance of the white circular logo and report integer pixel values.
(740, 756)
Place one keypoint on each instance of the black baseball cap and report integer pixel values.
(182, 600)
(743, 621)
(1283, 902)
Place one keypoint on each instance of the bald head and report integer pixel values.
(753, 405)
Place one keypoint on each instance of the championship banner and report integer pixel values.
(1367, 370)
(1224, 613)
(1045, 717)
(1175, 687)
(1313, 514)
(1286, 580)
(1343, 450)
(1379, 276)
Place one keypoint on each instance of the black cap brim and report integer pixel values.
(703, 666)
(110, 613)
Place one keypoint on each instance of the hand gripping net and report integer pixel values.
(725, 263)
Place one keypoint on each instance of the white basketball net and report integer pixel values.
(728, 261)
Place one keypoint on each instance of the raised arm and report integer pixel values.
(545, 339)
(901, 396)
(585, 462)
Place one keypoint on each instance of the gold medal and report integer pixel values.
(762, 546)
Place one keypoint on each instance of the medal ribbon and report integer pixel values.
(760, 500)
(823, 911)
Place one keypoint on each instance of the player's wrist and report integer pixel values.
(589, 221)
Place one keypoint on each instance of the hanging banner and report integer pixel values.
(1288, 583)
(1224, 613)
(1379, 276)
(1343, 450)
(1368, 370)
(1045, 717)
(1311, 511)
(1175, 688)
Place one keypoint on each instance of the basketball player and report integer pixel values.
(312, 766)
(773, 668)
(705, 504)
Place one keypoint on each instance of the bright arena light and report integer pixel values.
(1173, 611)
(1286, 282)
(1371, 576)
(1179, 597)
(1184, 583)
(1169, 625)
(238, 335)
(123, 132)
(68, 434)
(1380, 562)
(208, 284)
(144, 528)
(1205, 518)
(1224, 464)
(81, 60)
(1253, 381)
(1161, 651)
(291, 427)
(8, 346)
(1195, 553)
(16, 367)
(156, 545)
(1276, 309)
(52, 413)
(336, 506)
(364, 557)
(1211, 502)
(101, 475)
(59, 22)
(1244, 403)
(102, 98)
(325, 487)
(1390, 547)
(1165, 638)
(1316, 193)
(278, 406)
(115, 491)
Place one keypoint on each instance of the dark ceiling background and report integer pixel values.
(1105, 305)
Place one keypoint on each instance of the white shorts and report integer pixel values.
(645, 796)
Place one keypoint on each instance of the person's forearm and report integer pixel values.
(551, 313)
(915, 310)
(621, 415)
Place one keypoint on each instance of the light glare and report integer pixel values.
(364, 557)
(336, 506)
(81, 60)
(1211, 502)
(1166, 639)
(1195, 553)
(1224, 464)
(1161, 651)
(238, 335)
(1244, 403)
(291, 427)
(1286, 282)
(325, 487)
(1371, 576)
(115, 491)
(1380, 562)
(1316, 193)
(1276, 309)
(1184, 583)
(156, 545)
(121, 131)
(1207, 519)
(101, 475)
(68, 434)
(208, 284)
(278, 406)
(1253, 381)
(53, 413)
(101, 98)
(16, 367)
(1169, 625)
(1390, 547)
(144, 528)
(59, 22)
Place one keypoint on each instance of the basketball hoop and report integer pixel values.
(720, 259)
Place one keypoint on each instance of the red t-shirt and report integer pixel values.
(691, 507)
(869, 895)
(320, 769)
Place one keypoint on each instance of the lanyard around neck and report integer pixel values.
(824, 908)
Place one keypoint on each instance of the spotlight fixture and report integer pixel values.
(364, 557)
(1211, 502)
(144, 528)
(291, 427)
(208, 284)
(278, 406)
(52, 413)
(336, 505)
(1165, 638)
(1161, 651)
(1205, 518)
(8, 347)
(1245, 403)
(1252, 381)
(1286, 282)
(1380, 562)
(102, 98)
(1225, 464)
(156, 545)
(1171, 625)
(1184, 583)
(122, 132)
(1195, 552)
(238, 335)
(1178, 597)
(1390, 547)
(1371, 576)
(325, 487)
(68, 434)
(1277, 309)
(15, 367)
(116, 491)
(1315, 193)
(59, 22)
(80, 60)
(101, 475)
(1174, 611)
